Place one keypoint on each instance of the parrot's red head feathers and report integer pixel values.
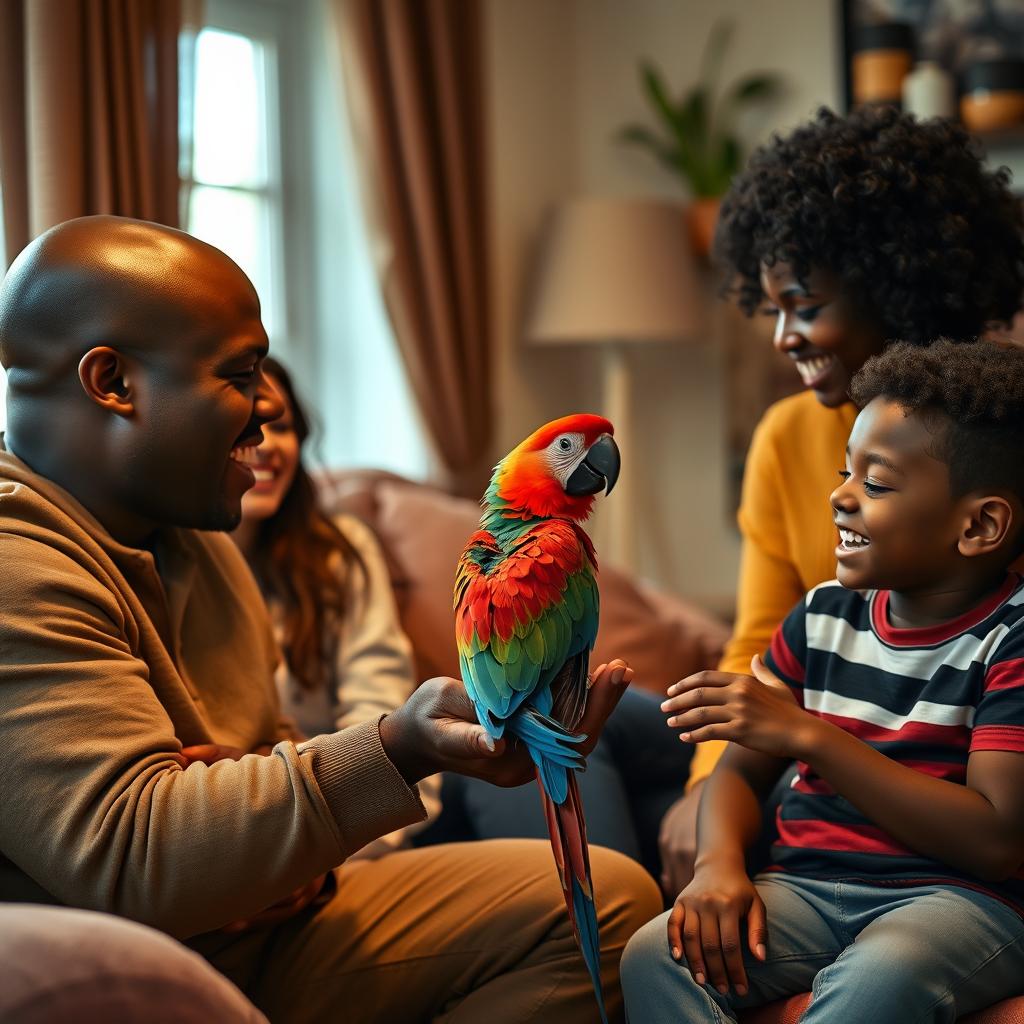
(557, 470)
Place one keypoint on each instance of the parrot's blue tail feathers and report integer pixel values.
(568, 834)
(589, 940)
(552, 747)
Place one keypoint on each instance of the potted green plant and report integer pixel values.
(695, 137)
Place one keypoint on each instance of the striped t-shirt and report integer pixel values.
(925, 697)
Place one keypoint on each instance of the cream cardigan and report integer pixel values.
(373, 668)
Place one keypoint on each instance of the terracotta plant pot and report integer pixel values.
(701, 218)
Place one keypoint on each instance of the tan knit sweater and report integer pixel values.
(111, 660)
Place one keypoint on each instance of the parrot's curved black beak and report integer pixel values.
(598, 471)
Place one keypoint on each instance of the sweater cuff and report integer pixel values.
(364, 791)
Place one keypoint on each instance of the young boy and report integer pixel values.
(895, 886)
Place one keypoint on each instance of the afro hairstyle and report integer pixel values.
(922, 236)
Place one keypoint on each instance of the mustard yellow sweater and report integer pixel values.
(111, 660)
(789, 539)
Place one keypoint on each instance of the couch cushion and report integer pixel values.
(424, 532)
(60, 965)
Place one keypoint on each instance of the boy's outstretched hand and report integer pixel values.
(706, 923)
(758, 712)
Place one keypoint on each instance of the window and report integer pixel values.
(267, 176)
(232, 192)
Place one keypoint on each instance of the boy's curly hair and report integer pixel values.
(973, 395)
(925, 239)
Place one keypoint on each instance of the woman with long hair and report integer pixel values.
(346, 659)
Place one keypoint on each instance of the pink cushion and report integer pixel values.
(61, 965)
(424, 531)
(787, 1011)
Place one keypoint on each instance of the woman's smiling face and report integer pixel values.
(818, 328)
(274, 462)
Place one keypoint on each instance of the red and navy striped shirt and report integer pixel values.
(924, 697)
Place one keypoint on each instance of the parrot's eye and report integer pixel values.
(565, 444)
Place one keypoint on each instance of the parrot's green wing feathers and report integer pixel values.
(521, 616)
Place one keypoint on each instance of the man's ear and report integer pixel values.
(988, 521)
(104, 374)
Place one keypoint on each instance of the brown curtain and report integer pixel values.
(88, 112)
(413, 84)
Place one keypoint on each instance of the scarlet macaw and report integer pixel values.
(526, 609)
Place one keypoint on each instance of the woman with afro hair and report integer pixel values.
(851, 232)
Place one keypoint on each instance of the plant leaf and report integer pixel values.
(694, 116)
(714, 52)
(641, 135)
(755, 87)
(750, 89)
(695, 139)
(657, 94)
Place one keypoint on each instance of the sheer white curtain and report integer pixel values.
(272, 182)
(369, 414)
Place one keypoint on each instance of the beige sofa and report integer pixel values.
(423, 531)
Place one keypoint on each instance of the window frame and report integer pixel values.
(279, 26)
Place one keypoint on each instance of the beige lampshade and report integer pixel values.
(615, 269)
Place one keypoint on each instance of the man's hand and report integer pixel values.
(437, 730)
(759, 713)
(706, 923)
(677, 841)
(211, 753)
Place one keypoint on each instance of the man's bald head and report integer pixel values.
(129, 284)
(133, 354)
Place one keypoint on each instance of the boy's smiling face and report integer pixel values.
(899, 523)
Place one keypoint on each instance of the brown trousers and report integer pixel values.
(469, 933)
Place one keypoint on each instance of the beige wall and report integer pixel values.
(562, 78)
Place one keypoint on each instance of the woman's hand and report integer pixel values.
(706, 925)
(759, 712)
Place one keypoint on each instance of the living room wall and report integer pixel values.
(562, 78)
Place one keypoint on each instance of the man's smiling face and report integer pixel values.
(202, 399)
(899, 524)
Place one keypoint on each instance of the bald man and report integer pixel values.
(131, 630)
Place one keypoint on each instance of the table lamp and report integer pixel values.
(617, 273)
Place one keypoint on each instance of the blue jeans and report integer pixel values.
(867, 953)
(635, 773)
